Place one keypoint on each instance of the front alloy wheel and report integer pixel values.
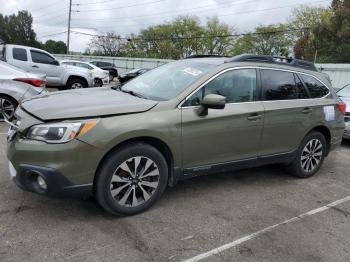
(135, 181)
(131, 179)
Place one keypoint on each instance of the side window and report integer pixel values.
(85, 66)
(301, 91)
(278, 85)
(236, 85)
(315, 87)
(42, 58)
(19, 54)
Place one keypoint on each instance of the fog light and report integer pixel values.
(41, 183)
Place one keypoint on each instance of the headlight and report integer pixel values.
(60, 132)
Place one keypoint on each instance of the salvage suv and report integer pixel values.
(191, 117)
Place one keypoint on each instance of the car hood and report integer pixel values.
(91, 102)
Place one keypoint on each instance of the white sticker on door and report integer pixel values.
(329, 114)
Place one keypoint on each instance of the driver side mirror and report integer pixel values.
(212, 101)
(55, 62)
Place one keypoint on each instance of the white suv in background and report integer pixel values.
(100, 76)
(39, 61)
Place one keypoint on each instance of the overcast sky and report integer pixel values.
(125, 17)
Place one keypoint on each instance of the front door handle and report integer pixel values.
(307, 110)
(254, 117)
(35, 66)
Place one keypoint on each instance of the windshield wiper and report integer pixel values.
(119, 88)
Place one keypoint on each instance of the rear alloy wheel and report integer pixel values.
(310, 155)
(7, 107)
(131, 179)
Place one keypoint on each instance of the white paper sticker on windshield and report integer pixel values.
(193, 71)
(329, 113)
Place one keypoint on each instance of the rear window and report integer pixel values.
(315, 87)
(19, 54)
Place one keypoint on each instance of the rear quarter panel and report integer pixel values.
(13, 89)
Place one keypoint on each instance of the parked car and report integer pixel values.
(187, 118)
(344, 94)
(131, 74)
(35, 60)
(99, 75)
(110, 67)
(15, 86)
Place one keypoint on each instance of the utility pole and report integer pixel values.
(68, 31)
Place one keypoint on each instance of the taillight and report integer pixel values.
(32, 81)
(342, 107)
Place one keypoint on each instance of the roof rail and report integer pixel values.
(203, 56)
(273, 60)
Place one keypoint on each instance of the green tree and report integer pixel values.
(303, 22)
(17, 29)
(55, 47)
(266, 40)
(218, 37)
(334, 36)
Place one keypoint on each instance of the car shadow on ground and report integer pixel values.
(193, 188)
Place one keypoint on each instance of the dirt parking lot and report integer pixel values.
(261, 214)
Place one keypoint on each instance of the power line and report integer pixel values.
(47, 6)
(237, 2)
(238, 13)
(53, 34)
(122, 7)
(49, 15)
(195, 37)
(93, 3)
(160, 14)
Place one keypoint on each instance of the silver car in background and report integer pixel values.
(344, 94)
(17, 85)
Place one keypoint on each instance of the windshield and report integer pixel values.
(345, 91)
(167, 81)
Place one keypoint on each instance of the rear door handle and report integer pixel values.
(35, 66)
(307, 110)
(254, 117)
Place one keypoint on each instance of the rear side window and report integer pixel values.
(19, 54)
(42, 58)
(315, 87)
(278, 85)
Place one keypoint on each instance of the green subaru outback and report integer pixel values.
(196, 116)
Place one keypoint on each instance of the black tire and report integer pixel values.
(72, 83)
(98, 82)
(109, 168)
(6, 101)
(114, 72)
(111, 77)
(296, 167)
